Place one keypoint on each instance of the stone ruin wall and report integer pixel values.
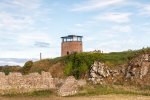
(17, 83)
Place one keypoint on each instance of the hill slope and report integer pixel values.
(79, 64)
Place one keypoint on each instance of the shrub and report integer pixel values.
(68, 69)
(27, 66)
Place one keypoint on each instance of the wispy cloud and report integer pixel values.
(116, 17)
(41, 44)
(31, 38)
(17, 15)
(12, 22)
(22, 4)
(122, 29)
(23, 27)
(114, 45)
(90, 5)
(145, 10)
(33, 4)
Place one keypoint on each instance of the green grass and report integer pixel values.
(145, 88)
(106, 90)
(42, 93)
(90, 90)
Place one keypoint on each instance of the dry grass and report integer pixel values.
(101, 97)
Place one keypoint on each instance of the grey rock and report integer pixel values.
(70, 87)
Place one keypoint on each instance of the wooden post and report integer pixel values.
(40, 56)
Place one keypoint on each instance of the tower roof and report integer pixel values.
(71, 36)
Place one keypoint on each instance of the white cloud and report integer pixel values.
(79, 25)
(116, 17)
(29, 38)
(90, 5)
(30, 52)
(118, 45)
(120, 24)
(145, 10)
(23, 4)
(122, 28)
(113, 44)
(22, 14)
(18, 25)
(10, 22)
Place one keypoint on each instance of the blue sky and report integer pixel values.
(28, 27)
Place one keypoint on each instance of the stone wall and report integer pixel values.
(18, 83)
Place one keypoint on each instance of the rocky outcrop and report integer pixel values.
(70, 86)
(98, 72)
(138, 71)
(101, 74)
(138, 67)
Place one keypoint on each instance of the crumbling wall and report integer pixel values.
(18, 83)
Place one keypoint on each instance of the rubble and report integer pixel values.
(70, 87)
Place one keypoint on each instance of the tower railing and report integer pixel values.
(71, 38)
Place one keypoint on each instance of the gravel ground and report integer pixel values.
(101, 97)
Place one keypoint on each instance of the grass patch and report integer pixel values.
(145, 88)
(42, 93)
(106, 90)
